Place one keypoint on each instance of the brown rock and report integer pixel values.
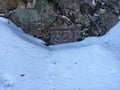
(8, 5)
(11, 4)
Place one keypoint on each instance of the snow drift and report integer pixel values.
(26, 64)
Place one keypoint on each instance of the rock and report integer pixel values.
(2, 6)
(8, 5)
(42, 17)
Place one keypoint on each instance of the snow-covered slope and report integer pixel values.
(26, 64)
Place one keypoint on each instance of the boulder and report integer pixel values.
(42, 18)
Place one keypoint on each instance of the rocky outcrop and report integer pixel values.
(51, 20)
(8, 5)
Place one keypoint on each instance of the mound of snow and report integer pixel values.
(92, 64)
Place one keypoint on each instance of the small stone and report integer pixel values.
(22, 75)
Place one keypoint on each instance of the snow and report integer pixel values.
(11, 12)
(1, 14)
(93, 2)
(6, 82)
(26, 64)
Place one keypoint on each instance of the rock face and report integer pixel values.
(8, 5)
(62, 21)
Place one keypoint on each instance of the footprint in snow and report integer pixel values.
(6, 82)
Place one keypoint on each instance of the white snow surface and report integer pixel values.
(26, 64)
